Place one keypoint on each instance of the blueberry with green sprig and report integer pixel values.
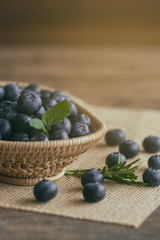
(113, 158)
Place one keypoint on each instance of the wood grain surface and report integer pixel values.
(121, 77)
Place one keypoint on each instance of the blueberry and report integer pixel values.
(79, 129)
(19, 137)
(73, 110)
(45, 190)
(152, 177)
(40, 112)
(39, 137)
(58, 96)
(2, 92)
(8, 113)
(59, 134)
(91, 176)
(112, 159)
(33, 132)
(154, 162)
(129, 148)
(21, 122)
(5, 129)
(94, 192)
(12, 94)
(34, 88)
(114, 137)
(6, 103)
(29, 102)
(45, 94)
(49, 102)
(12, 86)
(65, 125)
(82, 118)
(151, 144)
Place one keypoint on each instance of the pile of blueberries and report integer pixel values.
(18, 106)
(129, 149)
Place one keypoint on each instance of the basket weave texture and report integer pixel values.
(45, 159)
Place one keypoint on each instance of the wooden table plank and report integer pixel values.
(124, 77)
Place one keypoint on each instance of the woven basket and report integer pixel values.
(25, 163)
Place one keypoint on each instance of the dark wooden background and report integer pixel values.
(105, 52)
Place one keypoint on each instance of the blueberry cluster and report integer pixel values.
(18, 106)
(151, 176)
(93, 190)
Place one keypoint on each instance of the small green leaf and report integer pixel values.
(56, 113)
(38, 124)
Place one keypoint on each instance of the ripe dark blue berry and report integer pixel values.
(21, 122)
(5, 129)
(91, 176)
(82, 118)
(34, 88)
(65, 125)
(112, 159)
(79, 129)
(8, 113)
(12, 86)
(49, 102)
(151, 144)
(5, 104)
(45, 190)
(29, 102)
(39, 137)
(58, 96)
(40, 112)
(152, 177)
(2, 92)
(114, 137)
(59, 134)
(45, 94)
(19, 137)
(73, 109)
(12, 94)
(94, 192)
(129, 148)
(154, 162)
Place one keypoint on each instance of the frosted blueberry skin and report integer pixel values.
(12, 94)
(5, 104)
(5, 129)
(21, 122)
(129, 148)
(49, 102)
(94, 192)
(29, 102)
(79, 129)
(45, 190)
(19, 137)
(45, 94)
(34, 88)
(73, 110)
(112, 159)
(58, 96)
(8, 113)
(39, 113)
(151, 144)
(59, 134)
(12, 86)
(81, 118)
(2, 92)
(154, 162)
(40, 137)
(114, 137)
(65, 125)
(151, 177)
(91, 176)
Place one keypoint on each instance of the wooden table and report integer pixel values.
(115, 77)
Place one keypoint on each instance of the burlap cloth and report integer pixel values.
(123, 204)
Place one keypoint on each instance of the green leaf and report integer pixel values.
(56, 113)
(38, 124)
